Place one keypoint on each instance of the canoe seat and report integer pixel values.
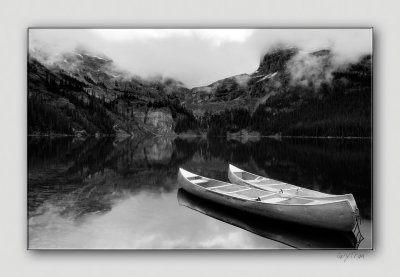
(198, 181)
(263, 182)
(296, 201)
(252, 193)
(283, 186)
(278, 188)
(194, 177)
(275, 200)
(228, 189)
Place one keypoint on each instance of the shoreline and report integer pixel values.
(197, 136)
(319, 137)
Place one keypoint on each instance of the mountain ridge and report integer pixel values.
(275, 99)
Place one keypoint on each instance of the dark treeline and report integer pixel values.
(47, 116)
(336, 115)
(44, 118)
(339, 115)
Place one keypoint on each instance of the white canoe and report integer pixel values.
(324, 213)
(241, 177)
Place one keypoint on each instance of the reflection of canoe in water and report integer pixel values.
(294, 235)
(241, 177)
(330, 214)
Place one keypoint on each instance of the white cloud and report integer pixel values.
(216, 36)
(198, 57)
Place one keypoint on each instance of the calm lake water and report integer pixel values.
(104, 193)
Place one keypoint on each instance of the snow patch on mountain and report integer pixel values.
(268, 76)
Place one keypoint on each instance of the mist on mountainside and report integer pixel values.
(77, 90)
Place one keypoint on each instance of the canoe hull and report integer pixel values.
(294, 235)
(336, 215)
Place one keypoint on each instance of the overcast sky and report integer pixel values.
(198, 57)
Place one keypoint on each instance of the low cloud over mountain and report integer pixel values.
(198, 57)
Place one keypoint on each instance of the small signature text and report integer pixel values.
(350, 256)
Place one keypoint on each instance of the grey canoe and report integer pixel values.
(241, 177)
(324, 213)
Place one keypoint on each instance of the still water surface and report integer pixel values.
(110, 194)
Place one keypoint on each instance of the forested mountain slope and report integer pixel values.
(292, 92)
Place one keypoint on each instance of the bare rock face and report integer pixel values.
(223, 90)
(160, 121)
(276, 60)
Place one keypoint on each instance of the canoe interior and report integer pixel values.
(205, 182)
(275, 185)
(246, 175)
(248, 193)
(262, 181)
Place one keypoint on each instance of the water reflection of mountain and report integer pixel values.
(294, 235)
(87, 175)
